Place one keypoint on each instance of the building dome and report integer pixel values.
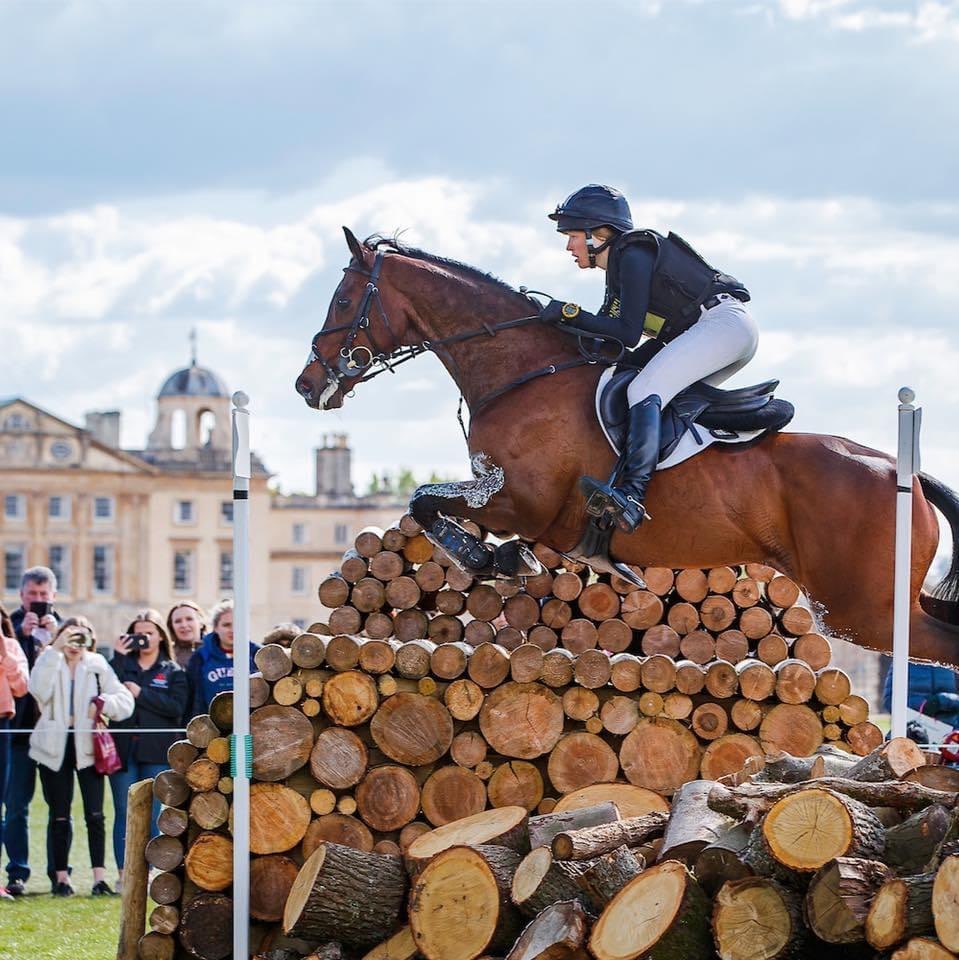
(193, 381)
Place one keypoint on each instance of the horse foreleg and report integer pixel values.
(434, 504)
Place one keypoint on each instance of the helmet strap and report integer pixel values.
(592, 250)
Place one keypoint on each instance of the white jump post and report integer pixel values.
(241, 743)
(907, 465)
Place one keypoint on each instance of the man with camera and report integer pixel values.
(36, 623)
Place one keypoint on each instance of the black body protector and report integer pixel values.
(682, 283)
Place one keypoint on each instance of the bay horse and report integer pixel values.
(821, 509)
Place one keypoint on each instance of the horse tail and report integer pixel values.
(943, 602)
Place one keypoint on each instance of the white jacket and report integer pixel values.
(50, 686)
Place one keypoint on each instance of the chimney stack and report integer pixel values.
(334, 467)
(105, 426)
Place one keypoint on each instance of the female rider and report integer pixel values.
(658, 286)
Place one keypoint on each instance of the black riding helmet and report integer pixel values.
(592, 206)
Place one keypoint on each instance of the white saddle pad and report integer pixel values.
(688, 445)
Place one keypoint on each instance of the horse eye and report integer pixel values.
(343, 302)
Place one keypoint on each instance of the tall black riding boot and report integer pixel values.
(624, 502)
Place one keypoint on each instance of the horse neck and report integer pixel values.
(447, 303)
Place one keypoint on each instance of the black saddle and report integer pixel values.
(723, 413)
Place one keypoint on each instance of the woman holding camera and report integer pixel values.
(144, 663)
(69, 681)
(185, 625)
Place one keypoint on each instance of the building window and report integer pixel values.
(103, 508)
(58, 560)
(226, 512)
(15, 506)
(226, 570)
(183, 513)
(13, 566)
(16, 421)
(341, 533)
(183, 571)
(299, 533)
(58, 508)
(103, 568)
(298, 584)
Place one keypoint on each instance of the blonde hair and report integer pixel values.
(224, 606)
(153, 616)
(200, 615)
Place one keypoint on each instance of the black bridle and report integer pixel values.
(378, 360)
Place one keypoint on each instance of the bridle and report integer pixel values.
(353, 365)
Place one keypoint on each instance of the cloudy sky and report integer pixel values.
(174, 165)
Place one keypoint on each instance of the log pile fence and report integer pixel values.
(438, 762)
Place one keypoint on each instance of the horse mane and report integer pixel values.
(379, 241)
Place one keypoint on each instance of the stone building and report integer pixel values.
(126, 529)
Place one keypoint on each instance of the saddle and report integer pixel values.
(702, 413)
(693, 420)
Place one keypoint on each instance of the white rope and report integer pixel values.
(108, 728)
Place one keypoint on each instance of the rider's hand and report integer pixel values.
(553, 312)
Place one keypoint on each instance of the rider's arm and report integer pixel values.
(635, 279)
(636, 272)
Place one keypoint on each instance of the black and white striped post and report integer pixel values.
(241, 742)
(907, 466)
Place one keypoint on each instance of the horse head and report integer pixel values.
(367, 320)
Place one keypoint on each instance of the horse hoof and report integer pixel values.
(514, 559)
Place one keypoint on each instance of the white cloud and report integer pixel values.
(926, 21)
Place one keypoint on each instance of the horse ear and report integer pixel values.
(356, 248)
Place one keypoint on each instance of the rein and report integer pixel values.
(349, 366)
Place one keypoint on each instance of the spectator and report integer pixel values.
(67, 679)
(13, 683)
(211, 667)
(160, 689)
(34, 621)
(185, 625)
(931, 689)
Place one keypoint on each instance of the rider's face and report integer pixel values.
(576, 245)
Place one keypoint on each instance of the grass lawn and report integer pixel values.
(41, 927)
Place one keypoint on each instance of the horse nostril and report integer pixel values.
(304, 389)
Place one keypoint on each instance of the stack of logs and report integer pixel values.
(730, 653)
(851, 861)
(428, 698)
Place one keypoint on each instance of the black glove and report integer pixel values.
(556, 311)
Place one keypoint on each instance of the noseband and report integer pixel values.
(355, 360)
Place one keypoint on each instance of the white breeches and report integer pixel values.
(719, 345)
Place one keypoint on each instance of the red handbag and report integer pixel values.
(106, 760)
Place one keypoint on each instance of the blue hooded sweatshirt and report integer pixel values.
(210, 670)
(927, 680)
